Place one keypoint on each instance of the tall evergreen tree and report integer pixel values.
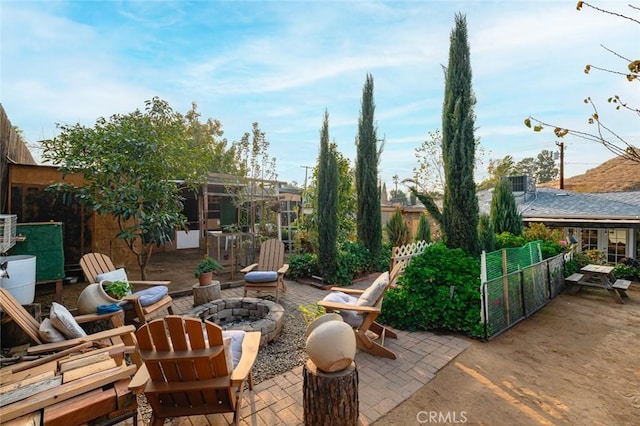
(369, 216)
(460, 207)
(486, 234)
(327, 207)
(424, 228)
(504, 212)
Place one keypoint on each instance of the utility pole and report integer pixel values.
(561, 145)
(306, 169)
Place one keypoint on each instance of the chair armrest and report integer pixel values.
(101, 335)
(347, 290)
(150, 283)
(249, 268)
(139, 380)
(283, 270)
(347, 307)
(250, 347)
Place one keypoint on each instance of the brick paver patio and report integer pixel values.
(383, 383)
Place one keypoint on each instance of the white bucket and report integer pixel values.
(22, 277)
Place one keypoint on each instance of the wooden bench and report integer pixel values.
(622, 286)
(574, 278)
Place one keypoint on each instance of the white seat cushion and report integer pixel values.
(353, 318)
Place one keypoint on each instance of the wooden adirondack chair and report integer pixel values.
(117, 335)
(369, 315)
(185, 370)
(94, 264)
(268, 274)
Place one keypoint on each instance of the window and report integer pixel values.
(589, 239)
(617, 245)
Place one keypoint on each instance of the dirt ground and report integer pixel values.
(576, 361)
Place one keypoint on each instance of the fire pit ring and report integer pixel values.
(244, 313)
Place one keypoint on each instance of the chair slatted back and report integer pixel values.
(187, 367)
(20, 315)
(271, 255)
(94, 264)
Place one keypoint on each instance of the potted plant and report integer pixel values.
(205, 269)
(117, 289)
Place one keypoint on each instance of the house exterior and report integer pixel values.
(604, 221)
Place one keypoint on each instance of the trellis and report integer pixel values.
(403, 254)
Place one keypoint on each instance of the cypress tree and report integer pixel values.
(397, 229)
(368, 214)
(327, 207)
(504, 212)
(460, 205)
(424, 229)
(486, 233)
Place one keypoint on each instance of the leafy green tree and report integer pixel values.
(424, 228)
(486, 234)
(497, 170)
(399, 197)
(369, 216)
(546, 169)
(397, 229)
(604, 134)
(525, 167)
(258, 167)
(460, 207)
(327, 205)
(504, 212)
(131, 165)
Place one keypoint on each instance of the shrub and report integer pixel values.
(440, 289)
(302, 266)
(507, 239)
(626, 272)
(424, 229)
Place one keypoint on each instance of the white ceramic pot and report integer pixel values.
(93, 296)
(331, 343)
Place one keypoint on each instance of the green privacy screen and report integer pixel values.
(43, 240)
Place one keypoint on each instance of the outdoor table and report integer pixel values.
(600, 276)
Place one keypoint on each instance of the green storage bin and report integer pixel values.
(43, 240)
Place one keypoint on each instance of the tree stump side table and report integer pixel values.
(330, 398)
(206, 293)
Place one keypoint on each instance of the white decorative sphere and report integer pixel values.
(331, 343)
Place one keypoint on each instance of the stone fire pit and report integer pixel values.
(244, 313)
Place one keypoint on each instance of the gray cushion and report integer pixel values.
(261, 276)
(353, 318)
(49, 333)
(151, 295)
(236, 336)
(62, 319)
(118, 275)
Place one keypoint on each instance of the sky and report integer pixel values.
(283, 63)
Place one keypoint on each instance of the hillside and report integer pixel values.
(616, 174)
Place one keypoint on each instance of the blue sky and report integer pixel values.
(282, 63)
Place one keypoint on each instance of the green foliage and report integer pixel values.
(312, 311)
(504, 212)
(207, 264)
(438, 290)
(117, 289)
(486, 234)
(626, 272)
(302, 266)
(546, 169)
(460, 206)
(424, 229)
(595, 256)
(131, 164)
(368, 214)
(550, 248)
(327, 205)
(539, 231)
(507, 239)
(397, 229)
